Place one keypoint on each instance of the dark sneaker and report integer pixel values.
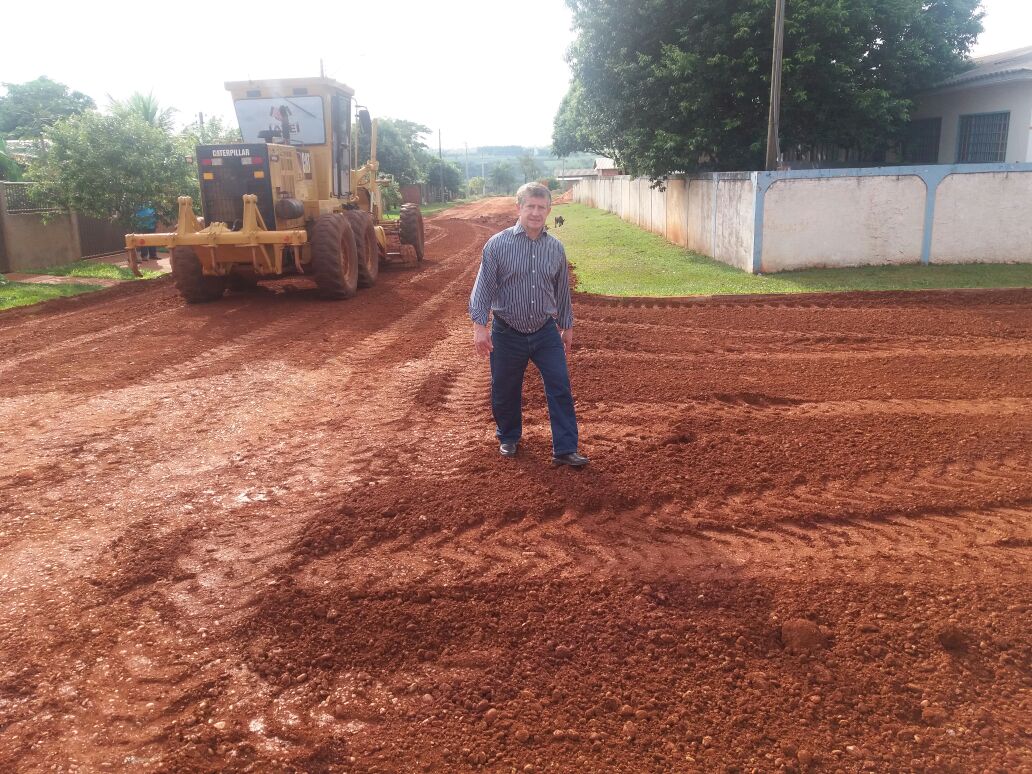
(507, 449)
(573, 459)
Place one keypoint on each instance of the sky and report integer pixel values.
(482, 72)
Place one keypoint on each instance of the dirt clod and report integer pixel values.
(800, 635)
(953, 638)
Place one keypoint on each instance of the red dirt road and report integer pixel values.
(273, 534)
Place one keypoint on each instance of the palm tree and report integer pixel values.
(145, 107)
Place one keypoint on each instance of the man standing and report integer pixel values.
(146, 222)
(523, 280)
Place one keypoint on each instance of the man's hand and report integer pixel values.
(482, 340)
(567, 337)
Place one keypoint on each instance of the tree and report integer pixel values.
(215, 131)
(681, 85)
(475, 186)
(391, 193)
(106, 166)
(502, 177)
(9, 168)
(29, 108)
(579, 127)
(399, 149)
(447, 173)
(145, 107)
(529, 167)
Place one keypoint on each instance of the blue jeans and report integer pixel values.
(512, 351)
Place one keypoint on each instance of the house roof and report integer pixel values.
(1005, 66)
(603, 163)
(578, 173)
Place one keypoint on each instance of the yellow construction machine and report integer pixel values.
(290, 199)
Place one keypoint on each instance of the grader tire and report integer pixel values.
(190, 280)
(412, 228)
(334, 256)
(368, 249)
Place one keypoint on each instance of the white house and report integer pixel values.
(983, 115)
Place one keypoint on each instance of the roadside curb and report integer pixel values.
(64, 279)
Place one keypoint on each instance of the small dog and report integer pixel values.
(559, 221)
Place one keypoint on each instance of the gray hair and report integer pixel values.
(533, 191)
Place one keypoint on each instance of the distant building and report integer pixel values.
(606, 167)
(569, 177)
(602, 167)
(983, 115)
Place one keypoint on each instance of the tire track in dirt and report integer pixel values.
(608, 326)
(55, 317)
(870, 303)
(745, 404)
(212, 571)
(317, 535)
(658, 545)
(627, 338)
(75, 343)
(227, 573)
(1015, 352)
(348, 462)
(136, 432)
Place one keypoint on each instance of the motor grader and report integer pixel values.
(290, 199)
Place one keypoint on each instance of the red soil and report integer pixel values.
(274, 534)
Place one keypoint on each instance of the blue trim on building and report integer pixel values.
(931, 174)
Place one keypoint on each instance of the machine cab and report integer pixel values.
(309, 113)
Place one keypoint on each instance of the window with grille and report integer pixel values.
(983, 138)
(921, 145)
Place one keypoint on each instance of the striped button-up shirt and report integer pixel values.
(522, 280)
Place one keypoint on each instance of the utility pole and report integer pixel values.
(466, 146)
(440, 162)
(775, 86)
(483, 176)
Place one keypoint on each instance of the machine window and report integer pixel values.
(289, 120)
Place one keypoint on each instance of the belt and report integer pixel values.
(506, 327)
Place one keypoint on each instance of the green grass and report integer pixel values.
(612, 257)
(25, 293)
(94, 269)
(430, 209)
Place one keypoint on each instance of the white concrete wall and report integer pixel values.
(833, 219)
(735, 223)
(709, 216)
(983, 218)
(842, 221)
(658, 220)
(644, 196)
(1015, 97)
(701, 210)
(676, 201)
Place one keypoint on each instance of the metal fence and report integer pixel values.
(29, 198)
(35, 230)
(99, 237)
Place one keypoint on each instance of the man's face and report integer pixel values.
(533, 213)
